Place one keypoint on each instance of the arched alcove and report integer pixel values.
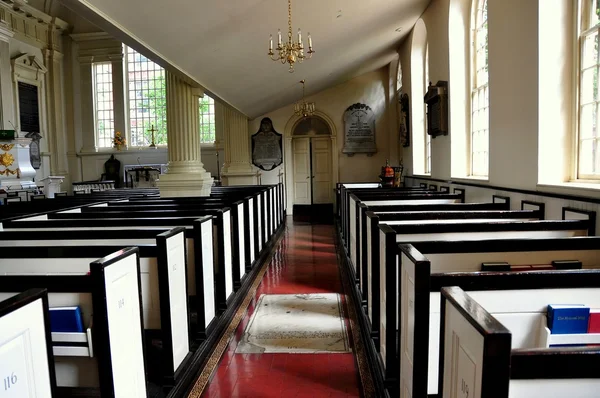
(318, 125)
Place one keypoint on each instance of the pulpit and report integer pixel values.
(143, 177)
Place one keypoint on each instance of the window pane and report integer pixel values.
(480, 93)
(587, 152)
(207, 119)
(590, 50)
(103, 104)
(147, 100)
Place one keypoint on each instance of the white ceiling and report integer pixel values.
(222, 44)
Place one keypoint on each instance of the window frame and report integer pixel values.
(474, 89)
(427, 146)
(96, 109)
(207, 144)
(128, 99)
(583, 30)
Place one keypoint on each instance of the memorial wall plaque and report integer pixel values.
(359, 130)
(267, 152)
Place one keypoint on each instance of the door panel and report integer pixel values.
(321, 170)
(301, 162)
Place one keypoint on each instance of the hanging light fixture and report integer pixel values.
(290, 52)
(304, 108)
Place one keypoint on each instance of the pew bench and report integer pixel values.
(496, 344)
(422, 276)
(163, 280)
(111, 291)
(390, 235)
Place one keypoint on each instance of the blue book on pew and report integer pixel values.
(568, 319)
(66, 319)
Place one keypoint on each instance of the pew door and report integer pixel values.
(302, 172)
(321, 170)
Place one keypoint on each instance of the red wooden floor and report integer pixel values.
(304, 262)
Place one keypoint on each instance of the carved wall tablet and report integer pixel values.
(267, 152)
(359, 130)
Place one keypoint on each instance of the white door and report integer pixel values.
(321, 170)
(301, 162)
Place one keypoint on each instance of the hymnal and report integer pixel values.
(594, 324)
(495, 266)
(66, 319)
(568, 319)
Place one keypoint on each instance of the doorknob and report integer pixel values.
(307, 177)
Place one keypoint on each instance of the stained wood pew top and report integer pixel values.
(86, 234)
(106, 223)
(137, 214)
(366, 196)
(162, 207)
(454, 214)
(506, 245)
(496, 226)
(439, 207)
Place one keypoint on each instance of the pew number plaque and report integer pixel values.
(359, 130)
(13, 368)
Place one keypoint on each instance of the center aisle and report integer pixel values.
(299, 311)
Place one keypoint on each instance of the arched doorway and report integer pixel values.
(311, 174)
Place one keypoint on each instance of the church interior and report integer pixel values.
(279, 198)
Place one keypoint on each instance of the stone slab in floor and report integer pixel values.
(296, 323)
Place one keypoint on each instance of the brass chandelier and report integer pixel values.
(290, 52)
(304, 108)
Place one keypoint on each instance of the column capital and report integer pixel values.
(53, 54)
(5, 31)
(86, 60)
(197, 92)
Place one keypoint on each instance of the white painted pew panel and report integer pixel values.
(242, 240)
(178, 298)
(251, 224)
(208, 272)
(228, 258)
(24, 367)
(124, 329)
(466, 353)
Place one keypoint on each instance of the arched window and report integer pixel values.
(589, 98)
(427, 136)
(480, 115)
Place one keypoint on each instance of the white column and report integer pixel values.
(118, 83)
(7, 110)
(237, 169)
(185, 173)
(87, 104)
(57, 137)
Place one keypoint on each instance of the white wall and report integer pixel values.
(371, 89)
(517, 87)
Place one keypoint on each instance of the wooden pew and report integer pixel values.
(222, 249)
(200, 266)
(495, 344)
(26, 348)
(369, 238)
(390, 235)
(163, 285)
(385, 199)
(345, 192)
(111, 291)
(425, 267)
